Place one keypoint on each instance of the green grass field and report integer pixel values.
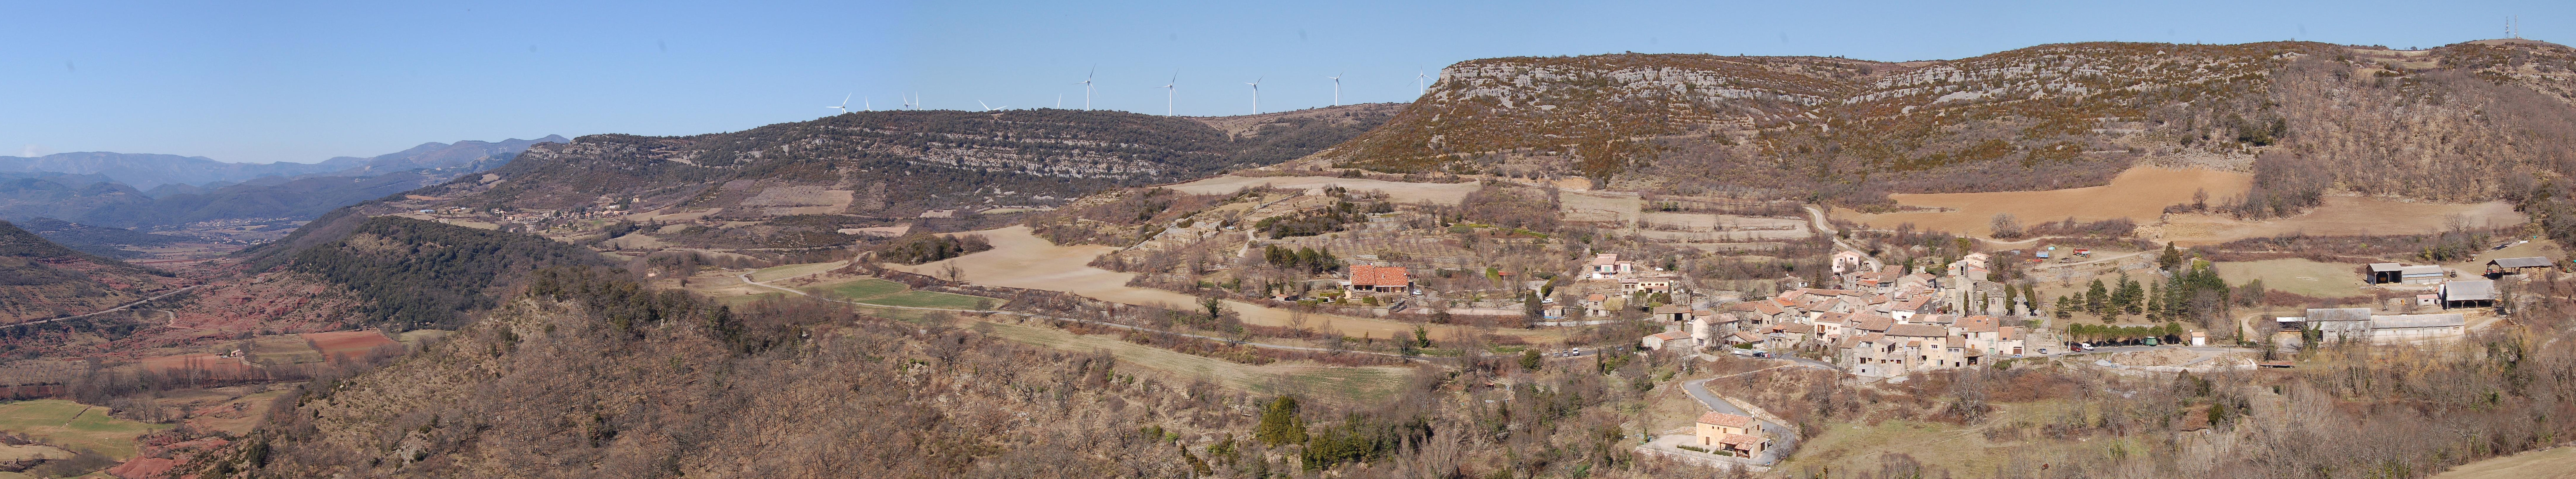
(861, 289)
(74, 426)
(789, 271)
(889, 293)
(934, 299)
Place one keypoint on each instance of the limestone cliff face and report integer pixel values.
(2048, 116)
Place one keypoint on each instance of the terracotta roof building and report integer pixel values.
(1384, 279)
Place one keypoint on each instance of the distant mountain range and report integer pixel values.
(149, 171)
(148, 191)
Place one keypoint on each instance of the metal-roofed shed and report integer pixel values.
(2461, 294)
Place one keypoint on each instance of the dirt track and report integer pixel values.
(1021, 260)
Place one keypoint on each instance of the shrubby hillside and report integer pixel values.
(413, 274)
(40, 279)
(2052, 116)
(899, 163)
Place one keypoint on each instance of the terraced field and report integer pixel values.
(73, 426)
(879, 291)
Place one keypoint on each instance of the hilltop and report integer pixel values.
(2045, 117)
(800, 184)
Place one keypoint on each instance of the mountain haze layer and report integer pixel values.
(149, 171)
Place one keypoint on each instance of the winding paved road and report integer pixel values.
(108, 310)
(1786, 438)
(1817, 216)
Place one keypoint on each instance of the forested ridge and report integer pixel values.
(420, 274)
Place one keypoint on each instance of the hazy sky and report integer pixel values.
(284, 81)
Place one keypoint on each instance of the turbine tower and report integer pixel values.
(1256, 95)
(1337, 89)
(1086, 87)
(844, 107)
(1419, 87)
(1167, 93)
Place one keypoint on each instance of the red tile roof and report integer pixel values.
(1917, 330)
(1366, 275)
(1740, 440)
(1871, 322)
(1978, 324)
(1728, 420)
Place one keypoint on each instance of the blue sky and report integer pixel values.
(287, 81)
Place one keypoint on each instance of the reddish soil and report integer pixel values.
(212, 366)
(347, 343)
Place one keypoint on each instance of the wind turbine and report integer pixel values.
(1337, 89)
(1419, 87)
(990, 107)
(1167, 93)
(868, 103)
(1059, 101)
(844, 106)
(1086, 86)
(1256, 95)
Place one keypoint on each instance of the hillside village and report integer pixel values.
(1522, 274)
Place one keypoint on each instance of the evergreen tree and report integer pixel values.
(2097, 298)
(2171, 259)
(2131, 297)
(1279, 423)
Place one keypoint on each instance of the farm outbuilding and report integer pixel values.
(2523, 265)
(2468, 294)
(2424, 274)
(2357, 324)
(2386, 273)
(2339, 324)
(2411, 327)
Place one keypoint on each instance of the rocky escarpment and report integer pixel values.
(2044, 117)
